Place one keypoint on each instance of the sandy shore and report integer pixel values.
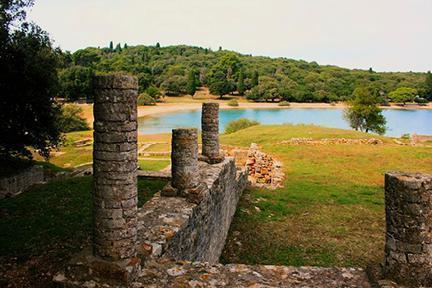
(175, 107)
(160, 108)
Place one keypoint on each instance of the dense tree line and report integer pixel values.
(178, 70)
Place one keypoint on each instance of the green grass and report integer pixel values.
(331, 209)
(153, 165)
(53, 218)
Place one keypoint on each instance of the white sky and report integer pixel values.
(388, 35)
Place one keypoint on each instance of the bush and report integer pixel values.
(145, 100)
(284, 103)
(233, 103)
(239, 124)
(71, 120)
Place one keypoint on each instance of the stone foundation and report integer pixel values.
(408, 249)
(16, 184)
(176, 228)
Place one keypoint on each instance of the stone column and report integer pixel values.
(184, 159)
(210, 133)
(115, 167)
(408, 248)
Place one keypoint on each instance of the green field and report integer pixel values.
(331, 210)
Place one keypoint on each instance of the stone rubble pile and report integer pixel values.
(263, 170)
(326, 141)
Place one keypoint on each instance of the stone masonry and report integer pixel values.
(408, 248)
(210, 133)
(16, 184)
(115, 167)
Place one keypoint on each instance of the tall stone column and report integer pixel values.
(210, 133)
(408, 248)
(115, 167)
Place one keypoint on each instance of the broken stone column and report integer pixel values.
(210, 133)
(185, 179)
(115, 167)
(408, 248)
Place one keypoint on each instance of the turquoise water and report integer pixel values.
(399, 122)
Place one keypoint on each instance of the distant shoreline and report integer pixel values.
(162, 108)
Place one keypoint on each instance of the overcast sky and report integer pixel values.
(388, 35)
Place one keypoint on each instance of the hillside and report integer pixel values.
(178, 70)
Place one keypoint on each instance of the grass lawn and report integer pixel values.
(43, 227)
(153, 165)
(331, 209)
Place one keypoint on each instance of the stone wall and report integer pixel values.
(264, 171)
(176, 228)
(16, 184)
(408, 249)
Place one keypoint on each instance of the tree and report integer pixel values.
(125, 46)
(174, 85)
(240, 83)
(403, 95)
(71, 120)
(191, 83)
(255, 79)
(158, 45)
(111, 46)
(76, 82)
(219, 85)
(28, 85)
(428, 86)
(118, 48)
(363, 112)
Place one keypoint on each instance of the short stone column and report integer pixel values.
(210, 133)
(115, 167)
(408, 248)
(185, 180)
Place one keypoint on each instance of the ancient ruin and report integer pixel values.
(408, 249)
(210, 133)
(177, 237)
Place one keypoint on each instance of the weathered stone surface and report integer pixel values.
(264, 171)
(165, 273)
(16, 184)
(184, 160)
(408, 257)
(115, 167)
(210, 133)
(177, 228)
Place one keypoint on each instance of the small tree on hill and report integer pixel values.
(363, 112)
(219, 84)
(255, 80)
(111, 46)
(191, 83)
(240, 84)
(118, 48)
(403, 95)
(428, 86)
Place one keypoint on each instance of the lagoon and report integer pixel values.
(399, 121)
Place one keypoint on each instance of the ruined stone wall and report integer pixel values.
(174, 227)
(408, 249)
(14, 185)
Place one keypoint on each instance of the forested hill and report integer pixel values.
(177, 70)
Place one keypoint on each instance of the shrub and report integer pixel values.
(71, 120)
(239, 124)
(145, 100)
(233, 103)
(284, 103)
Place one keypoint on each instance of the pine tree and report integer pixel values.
(255, 80)
(125, 46)
(111, 46)
(158, 45)
(428, 86)
(118, 48)
(240, 83)
(191, 83)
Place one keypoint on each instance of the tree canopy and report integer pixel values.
(403, 95)
(364, 113)
(28, 85)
